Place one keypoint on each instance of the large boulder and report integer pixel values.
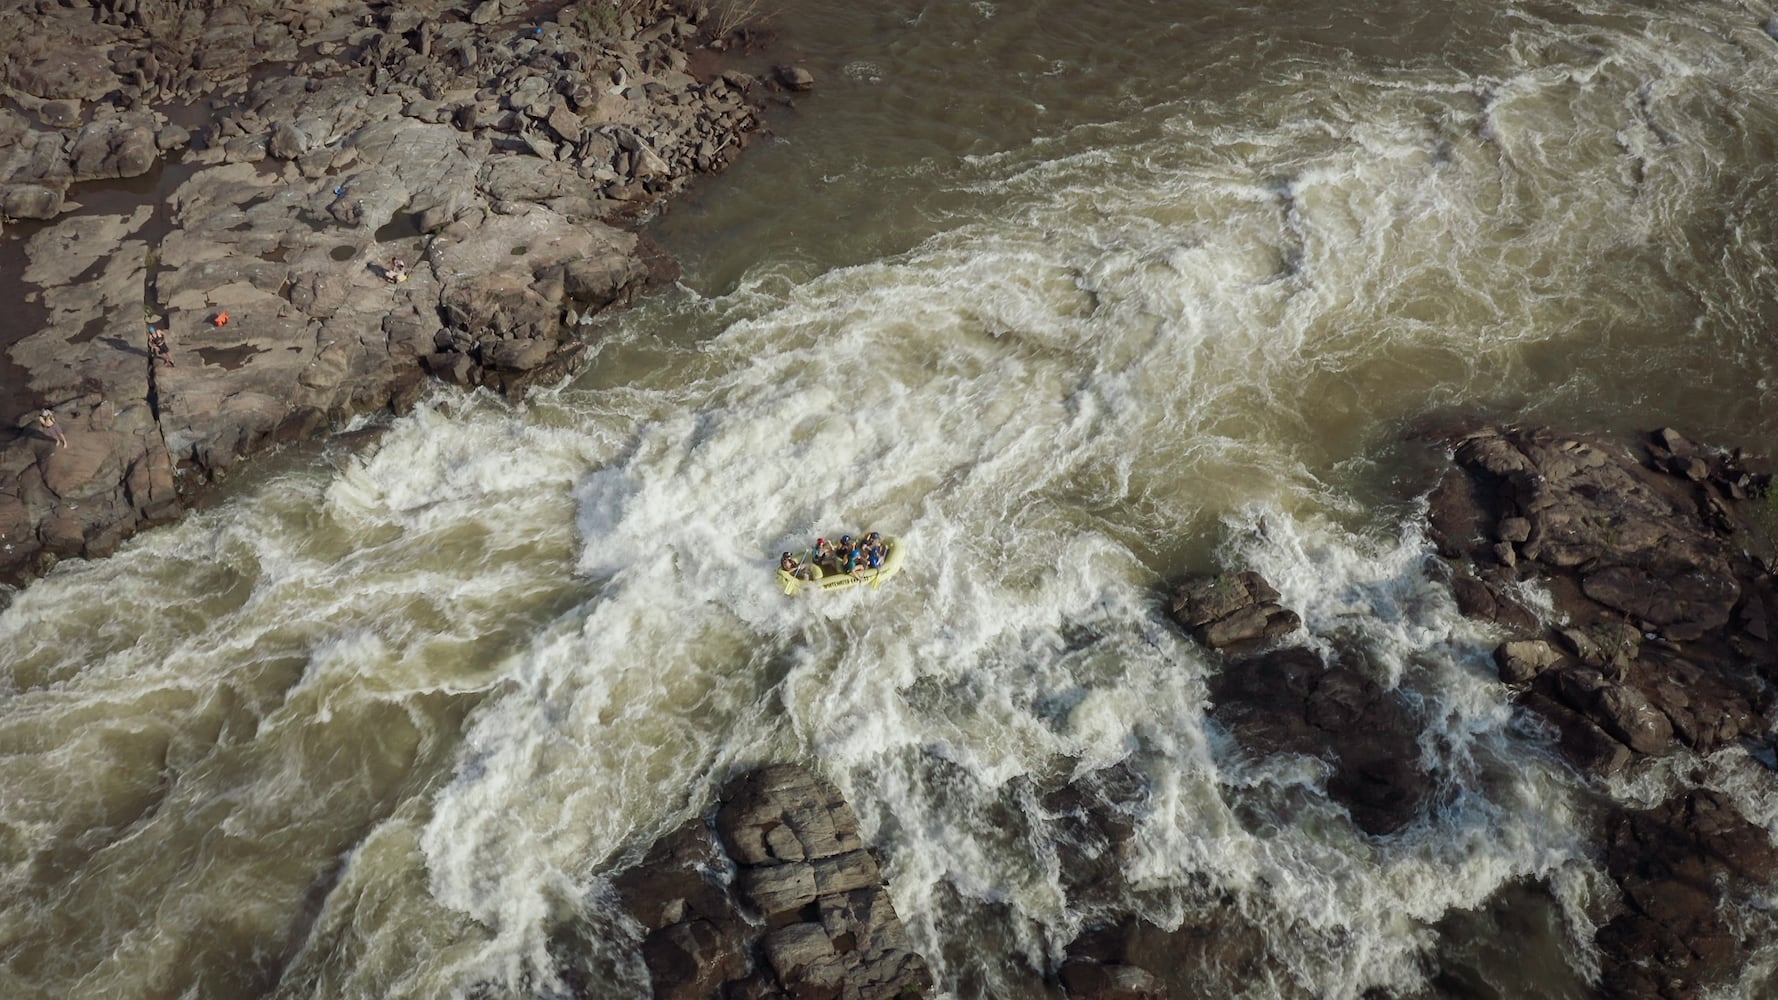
(30, 201)
(806, 914)
(124, 146)
(1232, 611)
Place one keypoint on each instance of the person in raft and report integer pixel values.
(825, 557)
(852, 562)
(874, 547)
(789, 564)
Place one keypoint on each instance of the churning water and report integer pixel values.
(1074, 297)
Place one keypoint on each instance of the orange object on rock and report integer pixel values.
(222, 319)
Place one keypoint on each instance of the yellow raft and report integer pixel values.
(840, 581)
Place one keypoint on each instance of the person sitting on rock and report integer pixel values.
(396, 272)
(47, 421)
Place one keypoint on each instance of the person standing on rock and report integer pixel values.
(157, 346)
(47, 421)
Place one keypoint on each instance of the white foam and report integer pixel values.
(1136, 333)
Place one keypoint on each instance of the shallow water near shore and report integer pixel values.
(1075, 299)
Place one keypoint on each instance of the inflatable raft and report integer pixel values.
(821, 580)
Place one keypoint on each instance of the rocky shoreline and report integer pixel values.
(502, 149)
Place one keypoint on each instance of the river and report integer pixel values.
(1076, 299)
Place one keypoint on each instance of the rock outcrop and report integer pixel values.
(1289, 701)
(1232, 612)
(1659, 574)
(804, 912)
(1673, 863)
(501, 149)
(1658, 568)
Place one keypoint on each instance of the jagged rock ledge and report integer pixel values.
(1659, 576)
(776, 896)
(504, 149)
(1659, 571)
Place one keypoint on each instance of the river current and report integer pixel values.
(1075, 298)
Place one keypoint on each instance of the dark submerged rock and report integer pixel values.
(1094, 817)
(1673, 863)
(1289, 701)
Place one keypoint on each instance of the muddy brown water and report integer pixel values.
(1073, 298)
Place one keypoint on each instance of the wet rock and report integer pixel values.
(1093, 817)
(1488, 599)
(1289, 701)
(691, 959)
(795, 77)
(829, 930)
(1521, 662)
(1090, 980)
(1674, 863)
(783, 814)
(1621, 711)
(1104, 962)
(1232, 611)
(1581, 740)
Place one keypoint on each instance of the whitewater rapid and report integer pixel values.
(383, 723)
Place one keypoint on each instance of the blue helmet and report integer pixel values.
(845, 539)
